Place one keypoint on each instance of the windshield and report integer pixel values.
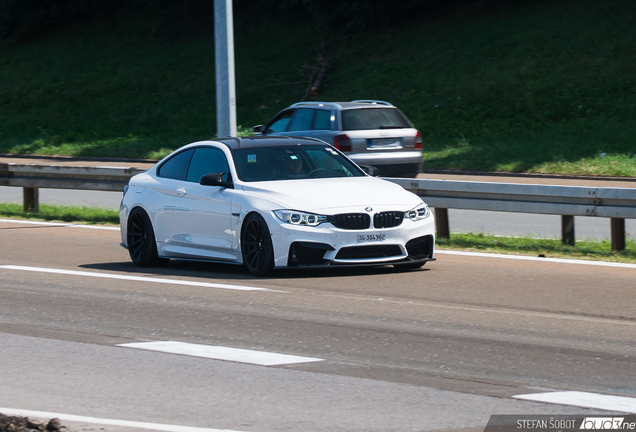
(292, 163)
(373, 118)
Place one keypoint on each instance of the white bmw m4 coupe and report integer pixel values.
(269, 203)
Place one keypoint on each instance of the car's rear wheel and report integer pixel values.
(256, 246)
(142, 245)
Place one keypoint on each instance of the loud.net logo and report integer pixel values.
(614, 423)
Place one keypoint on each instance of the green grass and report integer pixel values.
(549, 248)
(534, 86)
(544, 87)
(74, 214)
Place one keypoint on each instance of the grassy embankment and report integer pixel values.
(538, 87)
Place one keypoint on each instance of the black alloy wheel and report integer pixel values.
(256, 246)
(142, 245)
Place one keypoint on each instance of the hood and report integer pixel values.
(332, 195)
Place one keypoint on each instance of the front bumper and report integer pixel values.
(326, 245)
(306, 254)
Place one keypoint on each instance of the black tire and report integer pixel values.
(256, 245)
(142, 245)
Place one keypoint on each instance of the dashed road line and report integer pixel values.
(261, 358)
(585, 400)
(110, 422)
(136, 278)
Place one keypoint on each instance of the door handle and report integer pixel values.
(181, 192)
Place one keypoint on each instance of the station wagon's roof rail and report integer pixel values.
(314, 103)
(372, 101)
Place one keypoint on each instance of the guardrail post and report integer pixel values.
(567, 230)
(441, 223)
(618, 234)
(30, 197)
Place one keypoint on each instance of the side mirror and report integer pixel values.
(216, 179)
(370, 170)
(258, 129)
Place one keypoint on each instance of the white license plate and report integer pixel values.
(377, 237)
(386, 142)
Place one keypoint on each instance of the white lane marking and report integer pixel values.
(60, 224)
(261, 358)
(111, 422)
(135, 278)
(533, 258)
(585, 400)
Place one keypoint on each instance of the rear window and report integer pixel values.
(373, 118)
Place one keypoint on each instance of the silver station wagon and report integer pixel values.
(371, 133)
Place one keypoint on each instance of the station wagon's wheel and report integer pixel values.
(142, 246)
(256, 245)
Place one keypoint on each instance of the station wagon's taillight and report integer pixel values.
(342, 143)
(418, 140)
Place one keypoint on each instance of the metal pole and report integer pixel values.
(567, 230)
(31, 200)
(225, 85)
(441, 223)
(618, 234)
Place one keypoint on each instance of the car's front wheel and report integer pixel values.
(256, 246)
(142, 245)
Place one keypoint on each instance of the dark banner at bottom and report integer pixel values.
(556, 423)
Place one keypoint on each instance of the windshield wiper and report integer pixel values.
(392, 127)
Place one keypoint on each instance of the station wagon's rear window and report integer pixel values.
(373, 118)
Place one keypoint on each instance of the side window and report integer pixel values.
(302, 120)
(279, 124)
(322, 120)
(207, 160)
(177, 166)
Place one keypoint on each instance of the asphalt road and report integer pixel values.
(440, 348)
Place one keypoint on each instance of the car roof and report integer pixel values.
(267, 141)
(362, 103)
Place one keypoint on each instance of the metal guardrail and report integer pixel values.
(33, 177)
(66, 177)
(525, 198)
(617, 204)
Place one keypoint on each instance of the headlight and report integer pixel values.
(300, 218)
(420, 212)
